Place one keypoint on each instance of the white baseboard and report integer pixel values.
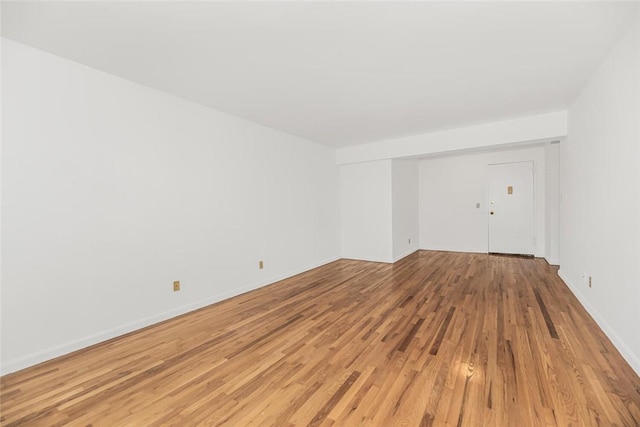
(32, 359)
(621, 346)
(406, 254)
(552, 261)
(357, 258)
(464, 251)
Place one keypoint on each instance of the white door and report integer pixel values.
(511, 226)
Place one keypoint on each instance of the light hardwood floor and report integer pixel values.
(435, 339)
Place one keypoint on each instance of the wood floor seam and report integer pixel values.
(435, 339)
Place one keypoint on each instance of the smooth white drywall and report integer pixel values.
(366, 205)
(552, 204)
(520, 130)
(404, 189)
(600, 187)
(338, 72)
(1, 132)
(112, 190)
(451, 186)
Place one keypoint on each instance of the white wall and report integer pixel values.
(404, 189)
(111, 190)
(366, 206)
(543, 127)
(1, 186)
(552, 211)
(600, 186)
(451, 185)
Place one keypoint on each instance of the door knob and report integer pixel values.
(491, 212)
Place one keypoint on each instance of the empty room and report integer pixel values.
(320, 213)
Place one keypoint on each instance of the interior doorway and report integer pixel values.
(511, 208)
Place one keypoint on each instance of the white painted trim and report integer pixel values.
(551, 261)
(620, 345)
(464, 251)
(69, 347)
(365, 260)
(406, 254)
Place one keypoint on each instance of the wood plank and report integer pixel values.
(436, 338)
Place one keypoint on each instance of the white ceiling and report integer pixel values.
(339, 73)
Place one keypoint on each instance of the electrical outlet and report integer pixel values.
(261, 265)
(589, 281)
(176, 285)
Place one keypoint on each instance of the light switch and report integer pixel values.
(478, 205)
(510, 189)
